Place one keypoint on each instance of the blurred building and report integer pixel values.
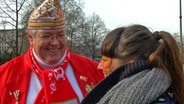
(8, 40)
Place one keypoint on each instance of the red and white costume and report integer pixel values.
(21, 83)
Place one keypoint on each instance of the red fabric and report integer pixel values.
(15, 75)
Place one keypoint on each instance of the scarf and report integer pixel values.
(56, 86)
(132, 83)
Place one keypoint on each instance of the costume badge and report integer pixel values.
(16, 95)
(88, 88)
(83, 78)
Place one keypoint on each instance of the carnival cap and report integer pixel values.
(48, 15)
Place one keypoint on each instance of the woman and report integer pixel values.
(141, 67)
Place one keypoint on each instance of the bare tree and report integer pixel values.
(92, 35)
(10, 11)
(74, 16)
(84, 33)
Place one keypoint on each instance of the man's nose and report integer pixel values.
(54, 40)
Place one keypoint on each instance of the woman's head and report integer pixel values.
(159, 49)
(129, 43)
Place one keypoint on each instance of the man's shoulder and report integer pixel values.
(82, 62)
(13, 68)
(13, 61)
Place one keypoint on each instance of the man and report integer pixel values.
(48, 72)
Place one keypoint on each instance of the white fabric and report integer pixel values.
(71, 77)
(34, 87)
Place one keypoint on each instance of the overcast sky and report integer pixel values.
(156, 14)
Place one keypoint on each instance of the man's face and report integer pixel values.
(49, 45)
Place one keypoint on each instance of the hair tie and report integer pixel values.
(156, 35)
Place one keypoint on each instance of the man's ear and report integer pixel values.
(30, 38)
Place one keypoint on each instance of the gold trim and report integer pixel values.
(45, 24)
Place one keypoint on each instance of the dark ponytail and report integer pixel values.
(168, 57)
